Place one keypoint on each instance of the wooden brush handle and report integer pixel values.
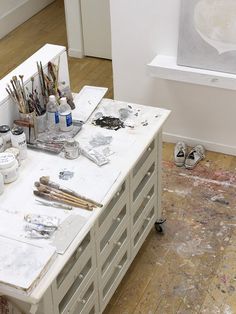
(50, 197)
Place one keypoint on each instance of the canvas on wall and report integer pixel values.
(207, 35)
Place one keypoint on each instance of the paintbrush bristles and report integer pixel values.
(46, 181)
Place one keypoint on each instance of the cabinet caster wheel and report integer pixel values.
(159, 225)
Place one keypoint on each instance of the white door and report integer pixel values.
(96, 28)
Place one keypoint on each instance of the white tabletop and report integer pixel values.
(98, 183)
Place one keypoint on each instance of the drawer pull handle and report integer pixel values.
(148, 197)
(119, 266)
(118, 243)
(118, 219)
(149, 149)
(118, 194)
(148, 218)
(80, 249)
(149, 174)
(81, 276)
(83, 301)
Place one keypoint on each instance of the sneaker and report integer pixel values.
(194, 156)
(180, 153)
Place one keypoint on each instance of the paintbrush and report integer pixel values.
(46, 181)
(45, 188)
(50, 197)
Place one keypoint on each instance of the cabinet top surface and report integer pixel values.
(142, 123)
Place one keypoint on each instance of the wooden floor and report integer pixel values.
(158, 280)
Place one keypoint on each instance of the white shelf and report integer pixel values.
(165, 67)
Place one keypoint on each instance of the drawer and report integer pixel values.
(114, 277)
(110, 231)
(93, 308)
(121, 241)
(142, 160)
(85, 270)
(140, 207)
(121, 193)
(147, 177)
(144, 227)
(73, 267)
(81, 302)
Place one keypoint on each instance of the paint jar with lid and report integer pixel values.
(71, 148)
(18, 140)
(8, 167)
(15, 151)
(6, 135)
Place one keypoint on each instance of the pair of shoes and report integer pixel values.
(191, 159)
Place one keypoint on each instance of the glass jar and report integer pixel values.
(18, 140)
(71, 148)
(6, 135)
(8, 167)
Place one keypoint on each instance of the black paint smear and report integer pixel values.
(108, 122)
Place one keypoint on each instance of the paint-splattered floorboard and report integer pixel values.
(192, 267)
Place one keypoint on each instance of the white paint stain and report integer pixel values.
(208, 181)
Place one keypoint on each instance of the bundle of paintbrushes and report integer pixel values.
(50, 85)
(52, 191)
(27, 101)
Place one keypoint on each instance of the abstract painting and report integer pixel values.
(207, 35)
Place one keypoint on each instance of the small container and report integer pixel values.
(1, 184)
(2, 148)
(8, 167)
(6, 135)
(71, 149)
(15, 151)
(18, 140)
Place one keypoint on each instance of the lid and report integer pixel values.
(52, 98)
(63, 101)
(4, 128)
(6, 160)
(70, 142)
(17, 130)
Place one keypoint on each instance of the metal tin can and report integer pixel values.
(71, 148)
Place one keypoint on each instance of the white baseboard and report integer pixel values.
(74, 53)
(215, 147)
(20, 14)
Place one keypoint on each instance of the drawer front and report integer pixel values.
(142, 160)
(114, 277)
(143, 228)
(82, 301)
(122, 193)
(149, 176)
(140, 207)
(107, 236)
(120, 242)
(74, 278)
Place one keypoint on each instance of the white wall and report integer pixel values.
(140, 30)
(74, 28)
(15, 12)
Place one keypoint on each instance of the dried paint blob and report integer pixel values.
(66, 175)
(109, 122)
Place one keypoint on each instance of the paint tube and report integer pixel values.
(46, 221)
(98, 158)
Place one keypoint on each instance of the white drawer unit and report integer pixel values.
(75, 274)
(82, 302)
(84, 278)
(113, 277)
(143, 228)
